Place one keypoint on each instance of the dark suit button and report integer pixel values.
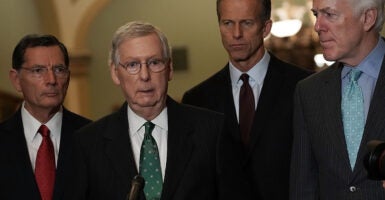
(352, 189)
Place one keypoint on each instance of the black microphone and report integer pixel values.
(137, 185)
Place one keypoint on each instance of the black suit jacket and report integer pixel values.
(261, 172)
(320, 164)
(17, 179)
(105, 166)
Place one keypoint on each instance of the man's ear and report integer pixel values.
(267, 28)
(171, 72)
(15, 79)
(369, 18)
(114, 74)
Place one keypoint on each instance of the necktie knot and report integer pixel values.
(148, 127)
(44, 131)
(245, 78)
(355, 75)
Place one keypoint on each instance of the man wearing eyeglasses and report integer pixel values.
(172, 146)
(35, 141)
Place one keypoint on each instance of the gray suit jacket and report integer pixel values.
(320, 166)
(104, 161)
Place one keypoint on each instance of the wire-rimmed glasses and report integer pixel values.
(154, 65)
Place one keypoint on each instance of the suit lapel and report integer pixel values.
(69, 126)
(118, 149)
(272, 82)
(179, 148)
(19, 156)
(62, 158)
(375, 125)
(229, 107)
(64, 153)
(330, 96)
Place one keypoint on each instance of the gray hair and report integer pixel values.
(136, 29)
(360, 6)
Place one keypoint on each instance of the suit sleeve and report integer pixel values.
(304, 170)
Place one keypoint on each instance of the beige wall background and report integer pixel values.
(17, 18)
(86, 28)
(190, 24)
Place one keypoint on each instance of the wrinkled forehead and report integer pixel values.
(331, 4)
(44, 55)
(140, 47)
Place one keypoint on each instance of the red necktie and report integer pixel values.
(45, 165)
(246, 109)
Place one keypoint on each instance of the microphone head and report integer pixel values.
(372, 144)
(138, 180)
(374, 160)
(137, 185)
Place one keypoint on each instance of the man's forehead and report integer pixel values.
(36, 55)
(328, 4)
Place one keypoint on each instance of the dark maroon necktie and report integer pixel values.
(45, 165)
(246, 109)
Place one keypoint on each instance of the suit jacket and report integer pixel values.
(105, 166)
(264, 167)
(320, 167)
(17, 179)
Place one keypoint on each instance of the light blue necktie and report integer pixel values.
(352, 106)
(149, 166)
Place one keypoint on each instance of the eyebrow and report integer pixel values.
(54, 65)
(322, 9)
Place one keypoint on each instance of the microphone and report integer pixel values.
(137, 185)
(372, 144)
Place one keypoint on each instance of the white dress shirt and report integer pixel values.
(257, 75)
(33, 138)
(160, 134)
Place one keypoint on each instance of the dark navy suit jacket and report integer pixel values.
(262, 171)
(104, 160)
(17, 180)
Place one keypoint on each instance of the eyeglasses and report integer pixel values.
(40, 71)
(154, 65)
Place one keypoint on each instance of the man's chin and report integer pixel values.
(52, 106)
(239, 57)
(146, 103)
(329, 57)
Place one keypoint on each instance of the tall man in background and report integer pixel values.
(340, 109)
(35, 141)
(254, 91)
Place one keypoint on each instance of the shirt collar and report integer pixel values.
(371, 65)
(31, 125)
(257, 72)
(135, 122)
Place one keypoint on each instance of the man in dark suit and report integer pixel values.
(40, 72)
(340, 109)
(112, 150)
(262, 160)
